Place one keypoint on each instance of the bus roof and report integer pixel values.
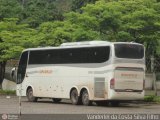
(85, 43)
(79, 45)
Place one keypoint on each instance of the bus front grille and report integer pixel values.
(99, 87)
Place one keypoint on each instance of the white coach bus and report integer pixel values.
(83, 72)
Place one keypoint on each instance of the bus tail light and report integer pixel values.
(112, 83)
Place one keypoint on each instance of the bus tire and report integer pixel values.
(30, 96)
(75, 99)
(56, 100)
(85, 98)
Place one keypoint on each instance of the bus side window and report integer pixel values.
(22, 67)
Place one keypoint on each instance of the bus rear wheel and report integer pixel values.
(30, 96)
(56, 100)
(75, 99)
(85, 98)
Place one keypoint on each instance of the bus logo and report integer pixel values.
(129, 75)
(45, 71)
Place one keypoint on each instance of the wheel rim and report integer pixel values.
(74, 96)
(85, 98)
(30, 94)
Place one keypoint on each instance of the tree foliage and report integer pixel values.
(14, 38)
(123, 20)
(112, 20)
(35, 12)
(9, 9)
(78, 4)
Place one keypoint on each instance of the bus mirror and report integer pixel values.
(13, 74)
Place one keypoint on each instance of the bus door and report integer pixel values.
(21, 73)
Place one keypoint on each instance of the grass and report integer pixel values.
(152, 98)
(156, 99)
(7, 92)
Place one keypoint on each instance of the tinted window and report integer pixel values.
(70, 55)
(132, 51)
(22, 67)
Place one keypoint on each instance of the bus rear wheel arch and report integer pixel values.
(30, 96)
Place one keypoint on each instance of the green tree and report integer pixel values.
(78, 4)
(122, 20)
(55, 33)
(13, 39)
(112, 20)
(9, 9)
(35, 12)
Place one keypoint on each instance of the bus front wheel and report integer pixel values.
(30, 96)
(85, 98)
(75, 99)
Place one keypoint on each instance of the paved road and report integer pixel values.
(46, 106)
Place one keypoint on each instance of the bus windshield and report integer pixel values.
(131, 51)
